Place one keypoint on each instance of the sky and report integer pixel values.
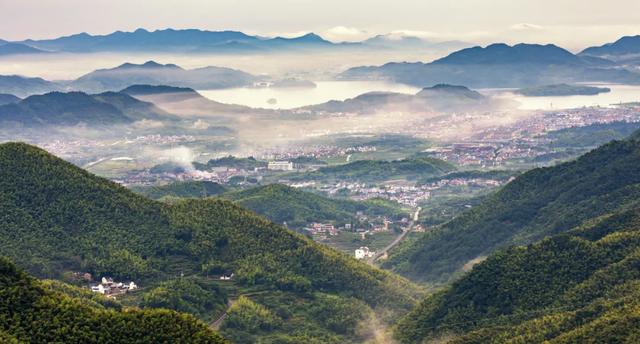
(573, 24)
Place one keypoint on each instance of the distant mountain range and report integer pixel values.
(170, 40)
(625, 48)
(202, 41)
(500, 65)
(8, 99)
(21, 86)
(153, 73)
(440, 98)
(128, 74)
(17, 49)
(57, 108)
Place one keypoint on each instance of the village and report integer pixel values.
(111, 289)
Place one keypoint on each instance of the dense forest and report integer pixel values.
(186, 189)
(538, 203)
(379, 170)
(33, 311)
(575, 287)
(57, 218)
(231, 162)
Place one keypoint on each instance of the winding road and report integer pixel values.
(397, 240)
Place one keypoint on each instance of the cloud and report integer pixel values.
(526, 27)
(344, 33)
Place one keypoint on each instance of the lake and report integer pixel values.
(288, 98)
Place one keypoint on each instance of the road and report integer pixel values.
(397, 239)
(216, 323)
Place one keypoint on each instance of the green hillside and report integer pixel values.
(581, 286)
(69, 220)
(538, 203)
(188, 189)
(231, 162)
(379, 170)
(32, 311)
(280, 203)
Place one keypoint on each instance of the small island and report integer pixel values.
(560, 90)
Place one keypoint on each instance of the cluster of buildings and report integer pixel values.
(111, 289)
(314, 151)
(521, 137)
(322, 230)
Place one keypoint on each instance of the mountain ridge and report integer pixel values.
(499, 65)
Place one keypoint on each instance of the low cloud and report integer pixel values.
(343, 33)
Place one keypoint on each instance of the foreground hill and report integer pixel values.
(153, 73)
(499, 65)
(70, 220)
(33, 311)
(280, 203)
(581, 286)
(57, 108)
(541, 202)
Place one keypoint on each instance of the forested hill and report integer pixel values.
(378, 170)
(541, 202)
(582, 286)
(32, 311)
(280, 203)
(69, 220)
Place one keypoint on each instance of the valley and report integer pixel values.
(180, 183)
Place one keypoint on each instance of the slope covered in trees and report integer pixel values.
(187, 189)
(575, 287)
(378, 170)
(58, 218)
(538, 203)
(32, 311)
(280, 203)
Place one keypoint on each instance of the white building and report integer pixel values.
(98, 289)
(280, 166)
(364, 252)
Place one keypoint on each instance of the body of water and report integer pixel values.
(287, 98)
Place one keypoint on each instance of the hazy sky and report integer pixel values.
(571, 23)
